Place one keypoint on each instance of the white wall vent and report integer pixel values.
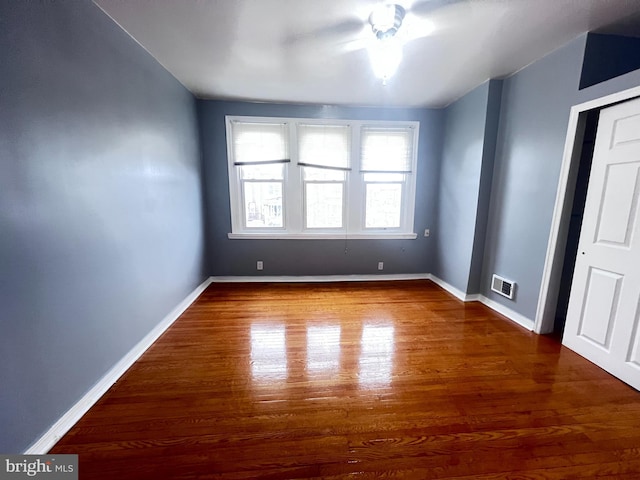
(503, 286)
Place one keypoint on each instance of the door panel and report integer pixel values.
(619, 203)
(601, 301)
(625, 130)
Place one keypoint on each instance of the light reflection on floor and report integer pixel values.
(376, 356)
(268, 352)
(278, 354)
(323, 349)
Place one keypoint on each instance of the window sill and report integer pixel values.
(322, 236)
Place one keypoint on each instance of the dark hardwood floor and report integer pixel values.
(356, 380)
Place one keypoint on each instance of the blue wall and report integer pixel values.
(533, 126)
(494, 102)
(534, 116)
(100, 205)
(467, 156)
(315, 257)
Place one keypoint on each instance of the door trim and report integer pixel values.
(545, 312)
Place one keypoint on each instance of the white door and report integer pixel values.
(604, 306)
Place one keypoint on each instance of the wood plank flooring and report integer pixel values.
(356, 380)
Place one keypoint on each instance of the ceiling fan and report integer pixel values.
(386, 51)
(389, 25)
(386, 19)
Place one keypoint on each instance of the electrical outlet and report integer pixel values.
(426, 232)
(259, 265)
(380, 265)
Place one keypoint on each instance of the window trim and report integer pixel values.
(354, 187)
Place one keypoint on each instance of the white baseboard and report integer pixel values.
(459, 294)
(71, 417)
(507, 312)
(493, 305)
(322, 278)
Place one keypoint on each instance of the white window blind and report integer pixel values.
(260, 143)
(324, 146)
(386, 150)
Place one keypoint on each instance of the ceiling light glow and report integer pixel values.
(386, 52)
(385, 56)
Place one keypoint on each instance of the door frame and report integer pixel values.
(554, 260)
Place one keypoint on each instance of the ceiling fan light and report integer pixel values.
(385, 19)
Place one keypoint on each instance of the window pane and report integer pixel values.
(384, 202)
(384, 177)
(262, 172)
(322, 174)
(263, 204)
(323, 205)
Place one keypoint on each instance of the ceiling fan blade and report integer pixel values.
(425, 7)
(426, 18)
(346, 28)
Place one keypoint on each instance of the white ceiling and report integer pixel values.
(312, 51)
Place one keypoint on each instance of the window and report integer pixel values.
(260, 152)
(386, 163)
(323, 155)
(309, 178)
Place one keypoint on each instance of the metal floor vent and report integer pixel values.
(502, 286)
